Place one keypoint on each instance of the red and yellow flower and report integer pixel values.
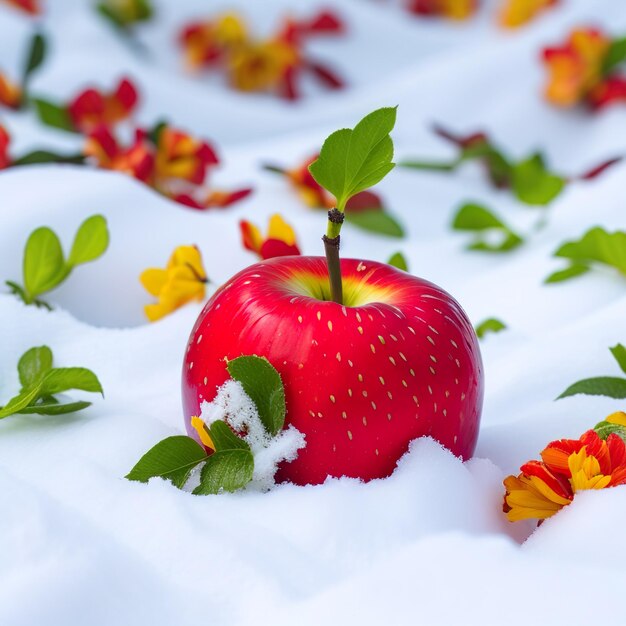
(92, 107)
(515, 13)
(451, 9)
(5, 140)
(280, 240)
(214, 199)
(576, 69)
(182, 281)
(10, 93)
(568, 466)
(136, 160)
(260, 65)
(32, 7)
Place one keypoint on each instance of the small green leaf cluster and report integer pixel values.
(490, 325)
(125, 15)
(230, 466)
(484, 225)
(45, 266)
(595, 247)
(41, 382)
(353, 160)
(610, 386)
(398, 260)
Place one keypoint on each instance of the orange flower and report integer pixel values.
(28, 6)
(568, 466)
(91, 107)
(280, 240)
(5, 140)
(514, 13)
(216, 199)
(136, 160)
(575, 69)
(451, 9)
(206, 43)
(181, 156)
(10, 93)
(611, 89)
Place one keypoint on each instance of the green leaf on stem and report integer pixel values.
(398, 260)
(55, 408)
(226, 470)
(34, 365)
(45, 156)
(24, 398)
(352, 160)
(533, 184)
(262, 383)
(44, 264)
(431, 166)
(619, 354)
(483, 223)
(62, 379)
(490, 325)
(54, 115)
(600, 386)
(36, 56)
(225, 439)
(172, 459)
(90, 242)
(596, 246)
(375, 221)
(615, 55)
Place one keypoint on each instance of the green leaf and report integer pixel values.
(490, 325)
(65, 378)
(90, 242)
(172, 459)
(569, 272)
(354, 160)
(21, 401)
(431, 166)
(36, 56)
(477, 219)
(615, 55)
(398, 260)
(533, 184)
(604, 429)
(228, 470)
(375, 221)
(53, 115)
(34, 365)
(54, 408)
(263, 385)
(600, 386)
(45, 156)
(225, 439)
(44, 265)
(17, 290)
(619, 353)
(597, 246)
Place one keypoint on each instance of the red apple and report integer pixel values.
(399, 360)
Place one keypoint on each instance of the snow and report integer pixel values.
(233, 406)
(81, 545)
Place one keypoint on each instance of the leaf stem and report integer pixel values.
(331, 246)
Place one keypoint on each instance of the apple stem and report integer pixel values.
(331, 246)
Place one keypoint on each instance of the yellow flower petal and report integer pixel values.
(200, 427)
(279, 229)
(619, 417)
(153, 280)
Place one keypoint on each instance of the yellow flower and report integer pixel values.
(203, 432)
(182, 281)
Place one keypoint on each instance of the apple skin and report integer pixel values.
(361, 382)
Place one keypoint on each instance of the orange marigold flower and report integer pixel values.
(92, 107)
(206, 43)
(31, 7)
(575, 68)
(137, 160)
(181, 156)
(10, 93)
(451, 9)
(182, 281)
(280, 240)
(5, 140)
(514, 13)
(568, 466)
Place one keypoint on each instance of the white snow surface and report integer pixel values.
(81, 545)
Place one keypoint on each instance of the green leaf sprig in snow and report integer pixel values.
(45, 266)
(490, 325)
(41, 382)
(491, 234)
(230, 466)
(596, 247)
(610, 386)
